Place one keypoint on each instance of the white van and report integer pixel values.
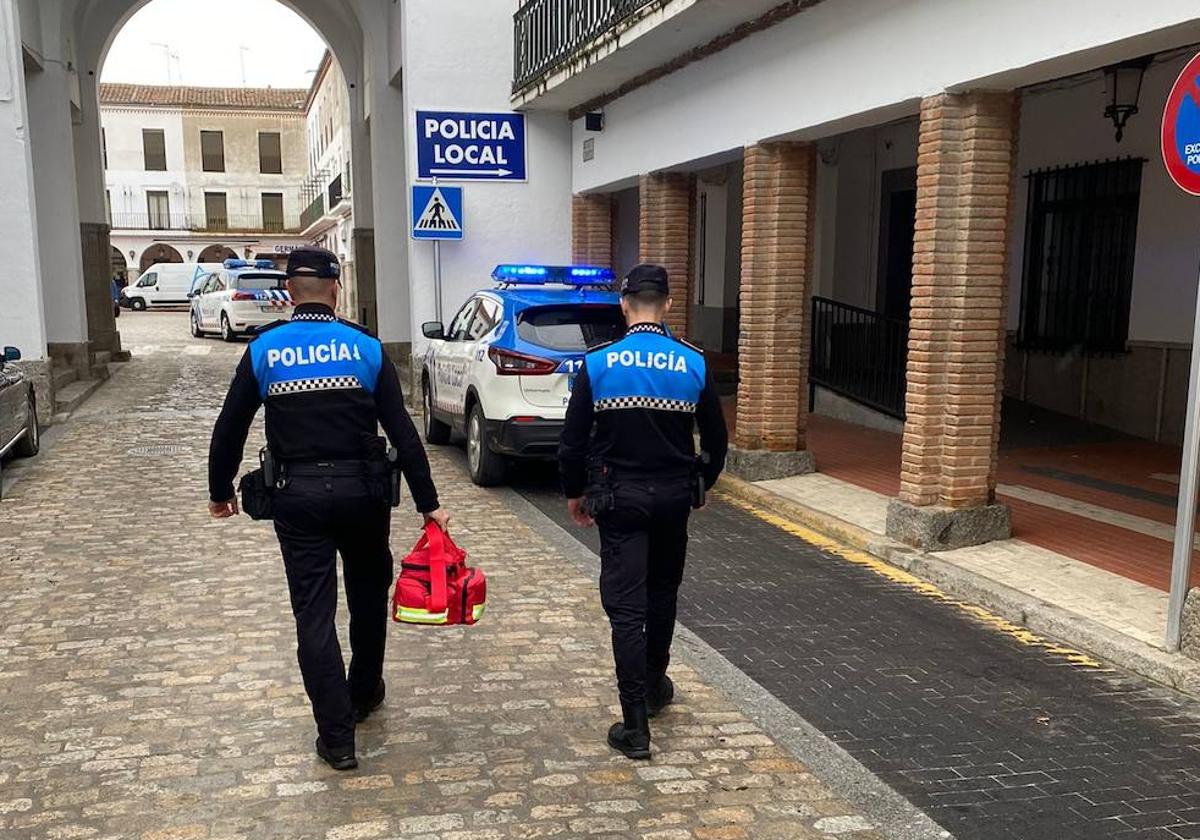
(165, 284)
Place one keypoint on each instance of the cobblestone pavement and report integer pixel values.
(993, 734)
(148, 685)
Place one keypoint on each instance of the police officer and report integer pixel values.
(327, 386)
(638, 478)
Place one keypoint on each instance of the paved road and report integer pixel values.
(993, 738)
(148, 685)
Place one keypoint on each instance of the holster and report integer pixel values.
(598, 495)
(699, 483)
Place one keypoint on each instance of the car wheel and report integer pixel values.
(137, 304)
(32, 442)
(484, 465)
(196, 331)
(436, 432)
(227, 332)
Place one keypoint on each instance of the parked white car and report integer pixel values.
(239, 298)
(164, 284)
(501, 372)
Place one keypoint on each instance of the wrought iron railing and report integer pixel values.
(313, 212)
(203, 223)
(547, 33)
(860, 354)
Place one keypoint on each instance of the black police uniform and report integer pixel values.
(644, 396)
(327, 386)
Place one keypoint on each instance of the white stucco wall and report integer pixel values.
(850, 63)
(126, 177)
(458, 56)
(1063, 124)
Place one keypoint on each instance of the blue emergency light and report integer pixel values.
(567, 275)
(236, 264)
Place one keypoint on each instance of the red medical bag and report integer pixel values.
(435, 586)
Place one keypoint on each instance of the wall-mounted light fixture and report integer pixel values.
(1122, 89)
(594, 121)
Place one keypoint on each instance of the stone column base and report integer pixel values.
(400, 352)
(763, 464)
(38, 373)
(76, 355)
(942, 529)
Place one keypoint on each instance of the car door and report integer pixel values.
(450, 386)
(202, 290)
(478, 329)
(213, 299)
(147, 287)
(12, 403)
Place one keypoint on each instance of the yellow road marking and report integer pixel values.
(1023, 635)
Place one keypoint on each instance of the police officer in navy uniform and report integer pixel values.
(327, 386)
(628, 464)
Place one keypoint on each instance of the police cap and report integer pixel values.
(646, 278)
(310, 261)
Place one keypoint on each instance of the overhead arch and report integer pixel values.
(159, 253)
(216, 254)
(120, 266)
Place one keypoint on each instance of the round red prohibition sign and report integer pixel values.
(1181, 129)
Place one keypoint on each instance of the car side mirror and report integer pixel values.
(12, 354)
(434, 330)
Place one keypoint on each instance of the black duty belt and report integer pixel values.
(334, 469)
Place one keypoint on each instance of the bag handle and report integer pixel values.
(439, 595)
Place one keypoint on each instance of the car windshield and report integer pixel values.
(260, 282)
(571, 327)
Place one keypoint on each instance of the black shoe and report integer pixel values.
(363, 711)
(631, 737)
(660, 696)
(343, 759)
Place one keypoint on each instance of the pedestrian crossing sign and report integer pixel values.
(437, 212)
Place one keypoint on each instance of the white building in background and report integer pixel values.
(197, 174)
(327, 219)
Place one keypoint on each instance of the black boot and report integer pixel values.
(363, 710)
(631, 737)
(340, 759)
(660, 695)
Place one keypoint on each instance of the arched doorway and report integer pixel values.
(120, 267)
(216, 254)
(159, 254)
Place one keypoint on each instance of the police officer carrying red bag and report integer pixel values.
(638, 478)
(327, 387)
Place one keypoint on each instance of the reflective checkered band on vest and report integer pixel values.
(313, 316)
(300, 386)
(652, 403)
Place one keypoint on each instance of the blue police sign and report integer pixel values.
(437, 212)
(458, 146)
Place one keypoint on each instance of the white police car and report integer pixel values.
(501, 372)
(239, 298)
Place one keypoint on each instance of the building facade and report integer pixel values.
(201, 174)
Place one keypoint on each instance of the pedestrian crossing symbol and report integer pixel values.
(437, 212)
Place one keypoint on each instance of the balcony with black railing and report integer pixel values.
(860, 354)
(312, 213)
(202, 223)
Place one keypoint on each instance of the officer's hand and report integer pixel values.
(223, 510)
(441, 517)
(581, 516)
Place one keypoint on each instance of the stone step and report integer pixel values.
(61, 377)
(101, 357)
(67, 399)
(100, 371)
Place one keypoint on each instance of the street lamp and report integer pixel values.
(1122, 89)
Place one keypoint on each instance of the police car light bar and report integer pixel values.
(540, 275)
(232, 264)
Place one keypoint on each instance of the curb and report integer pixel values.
(1173, 670)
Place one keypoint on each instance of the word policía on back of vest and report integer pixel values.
(313, 354)
(651, 360)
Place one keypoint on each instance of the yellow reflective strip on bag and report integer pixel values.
(477, 611)
(412, 615)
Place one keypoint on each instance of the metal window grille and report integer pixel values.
(1080, 236)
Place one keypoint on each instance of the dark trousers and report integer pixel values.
(315, 519)
(643, 544)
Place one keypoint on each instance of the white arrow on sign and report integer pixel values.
(499, 172)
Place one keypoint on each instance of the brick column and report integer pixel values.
(592, 229)
(965, 176)
(778, 217)
(666, 237)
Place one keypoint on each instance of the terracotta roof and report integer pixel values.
(175, 96)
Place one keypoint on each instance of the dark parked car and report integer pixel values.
(18, 409)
